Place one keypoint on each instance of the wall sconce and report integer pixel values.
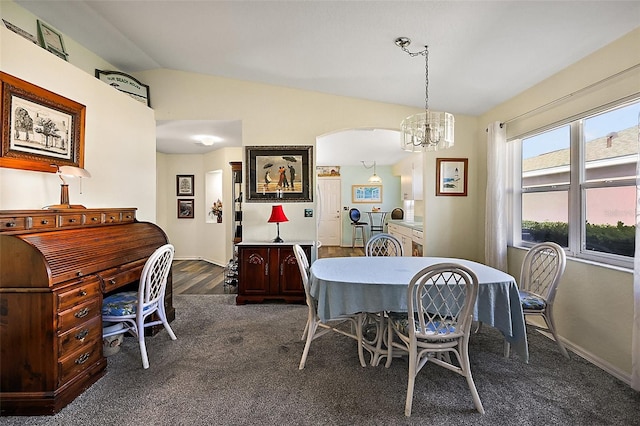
(68, 171)
(277, 216)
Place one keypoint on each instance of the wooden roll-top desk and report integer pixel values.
(55, 266)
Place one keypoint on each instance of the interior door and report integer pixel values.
(329, 220)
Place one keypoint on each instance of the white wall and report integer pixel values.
(119, 138)
(594, 305)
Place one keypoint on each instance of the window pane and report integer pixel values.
(545, 158)
(610, 217)
(611, 143)
(545, 216)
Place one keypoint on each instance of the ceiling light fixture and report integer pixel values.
(374, 177)
(431, 130)
(207, 140)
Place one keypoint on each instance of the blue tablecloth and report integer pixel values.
(348, 285)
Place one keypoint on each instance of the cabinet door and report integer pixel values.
(254, 270)
(289, 273)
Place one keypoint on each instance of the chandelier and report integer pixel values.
(431, 130)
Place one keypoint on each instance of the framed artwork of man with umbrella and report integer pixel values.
(281, 173)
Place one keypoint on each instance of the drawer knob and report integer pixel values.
(113, 217)
(72, 220)
(95, 219)
(82, 313)
(83, 358)
(82, 293)
(44, 221)
(81, 335)
(112, 281)
(11, 224)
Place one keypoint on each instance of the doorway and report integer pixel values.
(329, 218)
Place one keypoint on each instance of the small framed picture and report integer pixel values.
(185, 209)
(51, 40)
(184, 185)
(451, 176)
(366, 193)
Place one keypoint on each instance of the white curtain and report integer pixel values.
(635, 342)
(495, 248)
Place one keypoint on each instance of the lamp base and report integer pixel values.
(278, 240)
(63, 207)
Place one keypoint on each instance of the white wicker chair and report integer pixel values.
(315, 327)
(540, 275)
(440, 302)
(383, 245)
(124, 307)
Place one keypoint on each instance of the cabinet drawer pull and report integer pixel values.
(11, 225)
(72, 221)
(266, 269)
(95, 219)
(82, 313)
(44, 221)
(82, 293)
(112, 281)
(82, 334)
(83, 358)
(113, 217)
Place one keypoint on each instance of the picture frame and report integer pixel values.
(452, 175)
(279, 173)
(39, 127)
(51, 40)
(20, 31)
(370, 194)
(184, 186)
(126, 84)
(185, 208)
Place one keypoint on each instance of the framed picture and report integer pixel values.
(126, 84)
(20, 31)
(451, 176)
(366, 194)
(184, 185)
(39, 128)
(279, 173)
(51, 40)
(185, 209)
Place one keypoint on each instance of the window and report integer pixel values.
(577, 186)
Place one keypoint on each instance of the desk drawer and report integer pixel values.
(79, 361)
(43, 222)
(80, 336)
(13, 223)
(115, 278)
(70, 219)
(79, 294)
(79, 314)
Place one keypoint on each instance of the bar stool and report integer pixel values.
(354, 215)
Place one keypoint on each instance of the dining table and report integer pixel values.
(374, 284)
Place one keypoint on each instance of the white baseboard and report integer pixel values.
(593, 359)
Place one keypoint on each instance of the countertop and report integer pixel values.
(412, 225)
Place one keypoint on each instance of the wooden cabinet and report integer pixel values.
(269, 271)
(54, 268)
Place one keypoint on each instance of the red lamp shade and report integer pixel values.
(277, 215)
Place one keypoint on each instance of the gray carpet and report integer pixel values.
(238, 365)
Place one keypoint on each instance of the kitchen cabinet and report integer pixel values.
(404, 235)
(411, 178)
(269, 271)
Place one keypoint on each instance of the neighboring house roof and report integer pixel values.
(625, 143)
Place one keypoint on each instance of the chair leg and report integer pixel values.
(359, 320)
(312, 326)
(413, 363)
(466, 368)
(507, 348)
(389, 344)
(141, 342)
(548, 318)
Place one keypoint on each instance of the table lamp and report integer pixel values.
(69, 171)
(277, 216)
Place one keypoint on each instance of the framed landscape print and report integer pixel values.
(185, 209)
(279, 173)
(39, 127)
(451, 176)
(51, 40)
(366, 194)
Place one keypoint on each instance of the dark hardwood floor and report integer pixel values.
(201, 277)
